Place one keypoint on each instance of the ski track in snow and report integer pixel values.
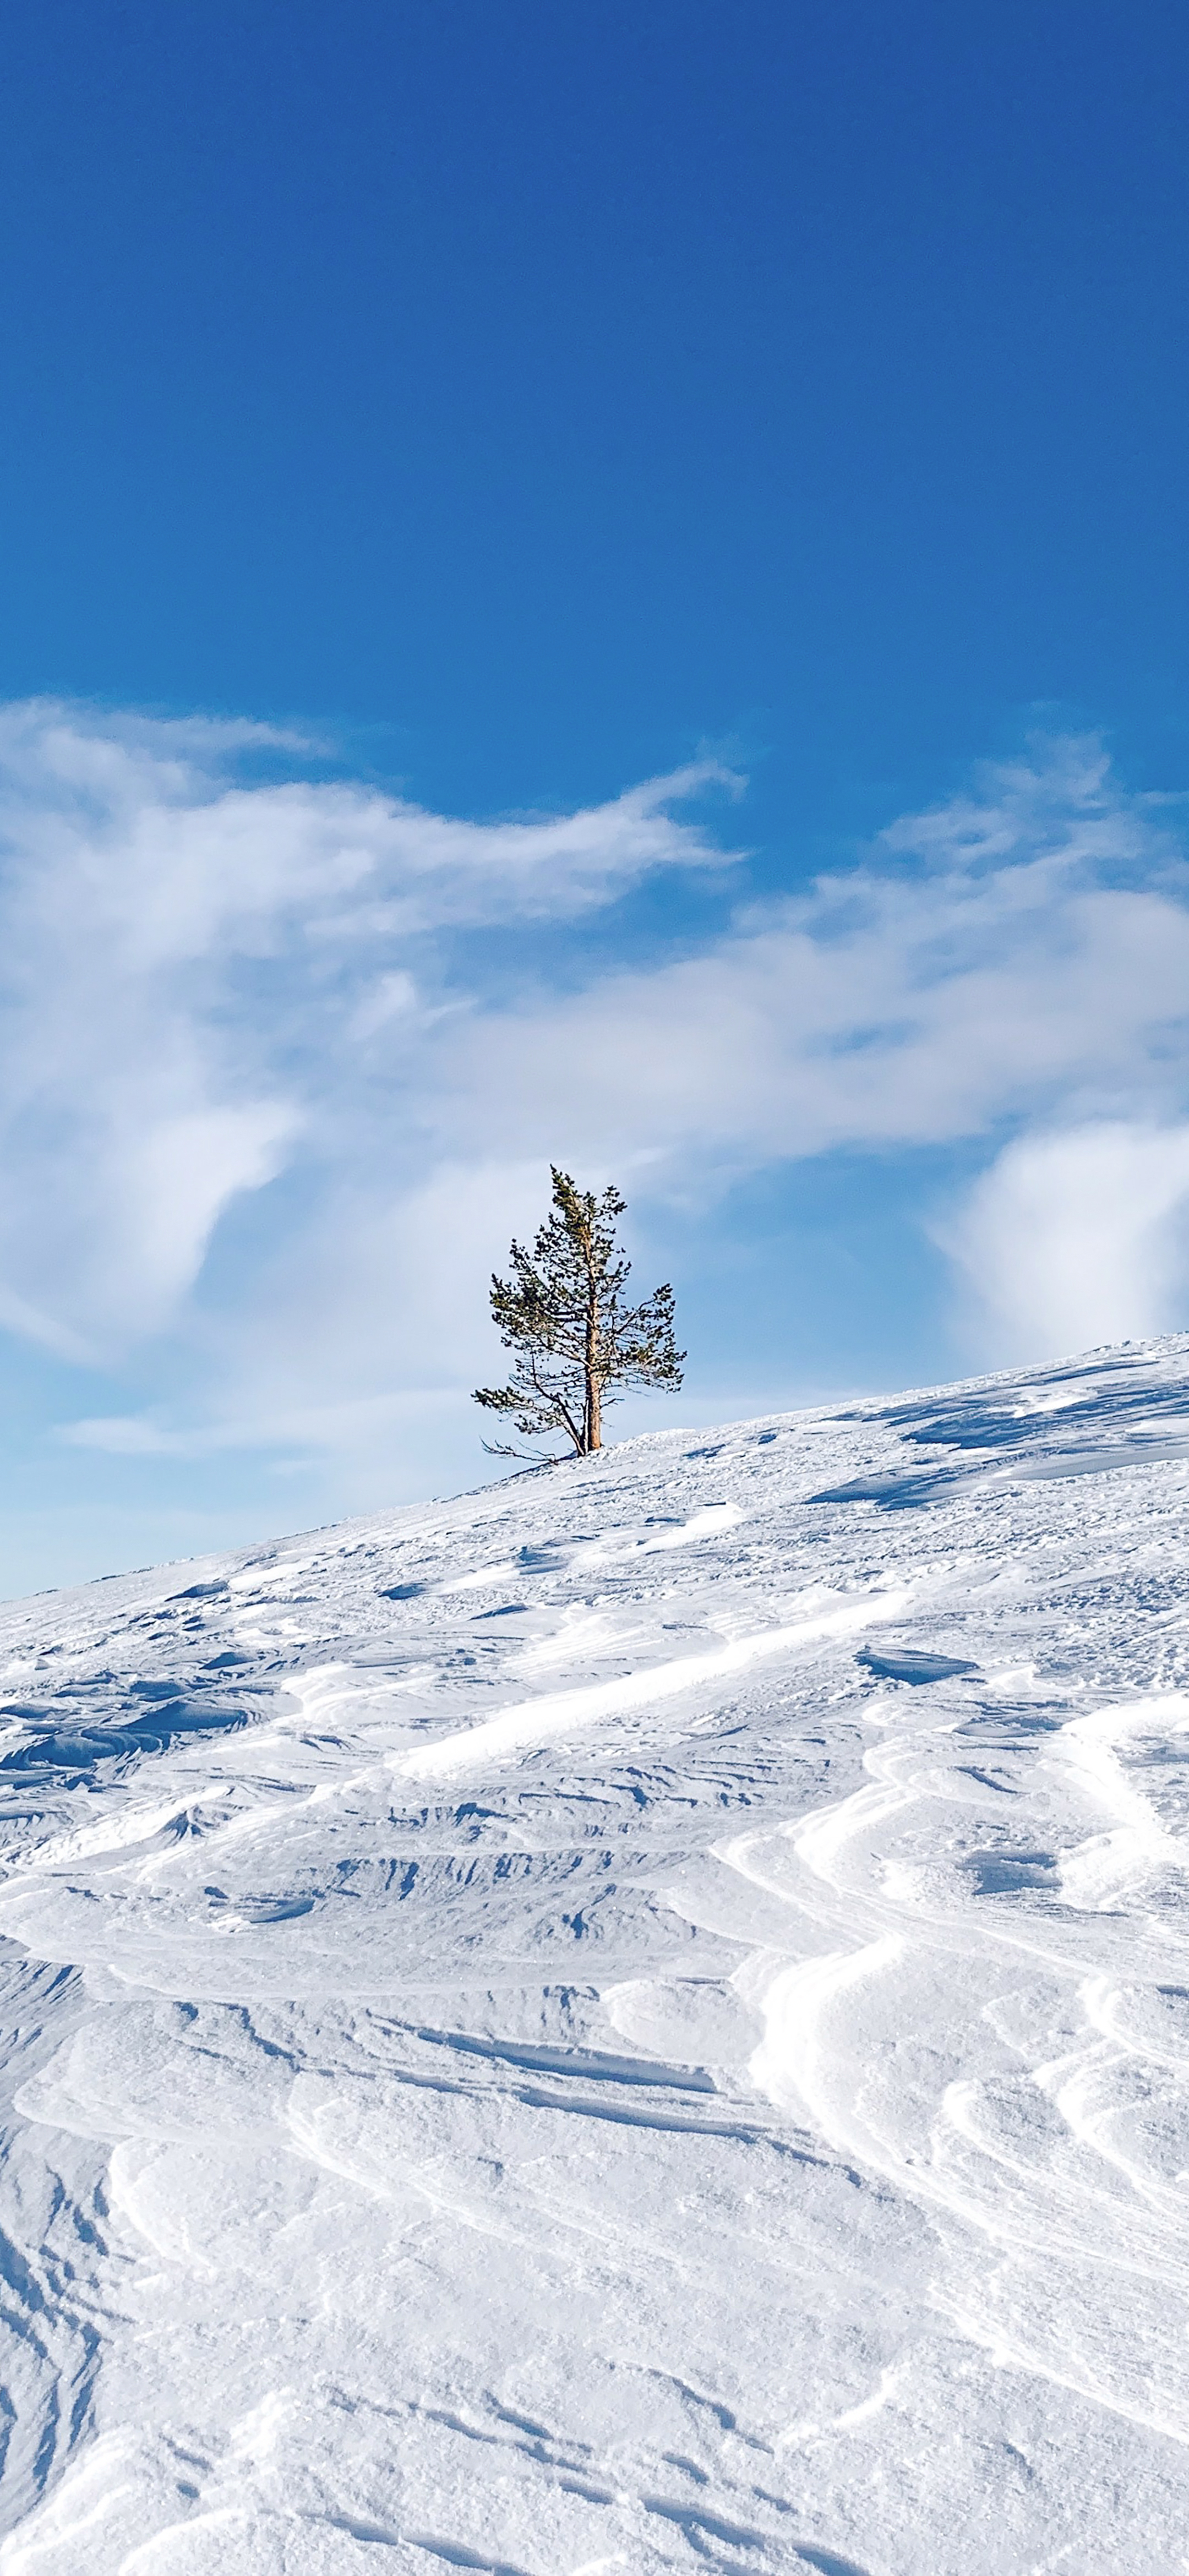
(637, 2020)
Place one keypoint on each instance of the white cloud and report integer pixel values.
(1077, 1237)
(1040, 946)
(175, 1177)
(197, 972)
(212, 981)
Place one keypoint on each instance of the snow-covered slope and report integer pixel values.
(636, 2020)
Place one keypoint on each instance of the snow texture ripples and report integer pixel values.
(637, 2020)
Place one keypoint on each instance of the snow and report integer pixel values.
(636, 2020)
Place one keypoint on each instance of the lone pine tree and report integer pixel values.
(563, 1313)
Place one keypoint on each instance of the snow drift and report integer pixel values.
(637, 2020)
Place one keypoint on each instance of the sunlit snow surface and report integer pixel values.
(637, 2020)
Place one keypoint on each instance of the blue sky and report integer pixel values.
(423, 429)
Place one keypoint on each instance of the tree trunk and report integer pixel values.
(592, 1426)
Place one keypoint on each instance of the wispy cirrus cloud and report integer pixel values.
(218, 982)
(988, 960)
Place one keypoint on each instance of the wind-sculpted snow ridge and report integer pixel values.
(637, 2020)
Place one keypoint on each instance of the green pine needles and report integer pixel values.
(576, 1341)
